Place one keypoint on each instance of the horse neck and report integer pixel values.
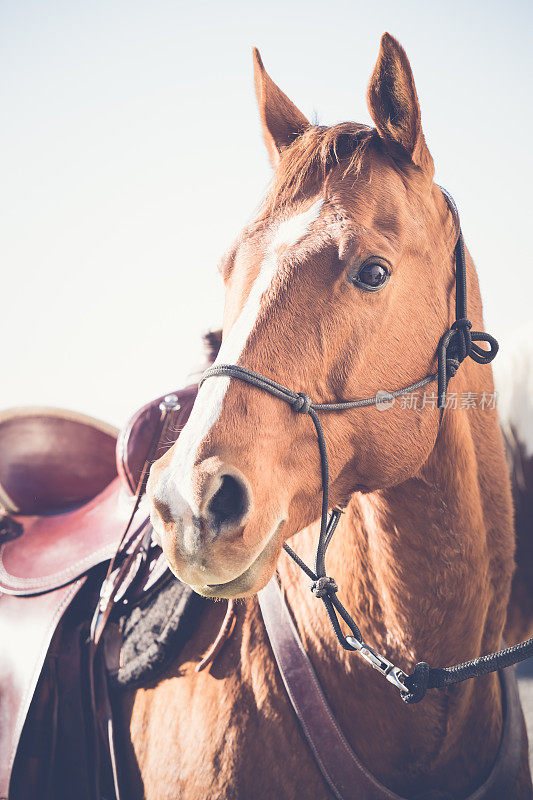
(424, 567)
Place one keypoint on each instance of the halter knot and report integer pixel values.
(417, 684)
(302, 403)
(452, 365)
(457, 344)
(324, 586)
(461, 340)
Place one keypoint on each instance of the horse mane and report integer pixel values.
(313, 155)
(212, 342)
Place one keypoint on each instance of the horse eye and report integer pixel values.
(372, 276)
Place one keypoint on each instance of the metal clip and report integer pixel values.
(393, 674)
(169, 403)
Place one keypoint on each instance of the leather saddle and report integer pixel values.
(67, 491)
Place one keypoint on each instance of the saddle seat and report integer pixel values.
(52, 460)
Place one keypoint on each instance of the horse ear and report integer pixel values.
(281, 121)
(393, 105)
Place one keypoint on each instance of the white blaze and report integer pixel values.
(208, 405)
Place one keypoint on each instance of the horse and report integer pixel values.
(341, 286)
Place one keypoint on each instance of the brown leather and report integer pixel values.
(52, 460)
(26, 629)
(134, 439)
(343, 772)
(55, 550)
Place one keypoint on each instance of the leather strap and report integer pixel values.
(344, 773)
(26, 629)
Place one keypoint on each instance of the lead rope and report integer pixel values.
(457, 344)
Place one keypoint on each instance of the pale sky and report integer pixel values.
(130, 156)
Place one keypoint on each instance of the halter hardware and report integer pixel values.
(393, 674)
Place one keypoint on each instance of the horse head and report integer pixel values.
(340, 287)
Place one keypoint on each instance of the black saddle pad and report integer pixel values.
(156, 631)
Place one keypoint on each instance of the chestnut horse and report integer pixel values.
(341, 286)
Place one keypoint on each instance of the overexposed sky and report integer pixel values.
(130, 156)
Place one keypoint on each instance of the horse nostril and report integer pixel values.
(230, 503)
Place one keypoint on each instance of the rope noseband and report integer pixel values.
(458, 343)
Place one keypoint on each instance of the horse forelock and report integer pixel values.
(312, 156)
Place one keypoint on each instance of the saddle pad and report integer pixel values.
(155, 632)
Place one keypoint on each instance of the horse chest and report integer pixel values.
(227, 734)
